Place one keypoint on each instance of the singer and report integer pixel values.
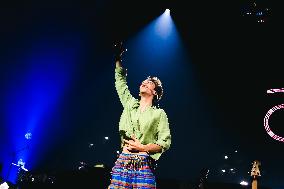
(144, 131)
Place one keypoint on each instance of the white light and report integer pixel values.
(24, 169)
(236, 151)
(106, 138)
(226, 157)
(4, 185)
(21, 163)
(231, 169)
(223, 170)
(100, 165)
(28, 136)
(244, 183)
(117, 152)
(167, 11)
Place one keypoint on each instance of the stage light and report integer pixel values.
(82, 165)
(21, 163)
(244, 183)
(167, 11)
(258, 13)
(223, 170)
(106, 138)
(226, 157)
(233, 170)
(158, 44)
(4, 185)
(28, 136)
(100, 166)
(33, 100)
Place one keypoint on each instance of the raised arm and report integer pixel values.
(120, 80)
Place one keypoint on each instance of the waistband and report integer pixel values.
(136, 161)
(126, 154)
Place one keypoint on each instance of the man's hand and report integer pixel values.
(119, 50)
(134, 145)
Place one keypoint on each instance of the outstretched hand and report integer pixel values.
(119, 50)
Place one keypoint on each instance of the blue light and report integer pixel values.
(34, 87)
(164, 25)
(156, 45)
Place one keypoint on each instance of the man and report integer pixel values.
(144, 130)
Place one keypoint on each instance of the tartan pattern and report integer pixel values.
(132, 172)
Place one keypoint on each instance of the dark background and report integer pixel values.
(236, 59)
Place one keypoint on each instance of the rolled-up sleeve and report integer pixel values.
(163, 134)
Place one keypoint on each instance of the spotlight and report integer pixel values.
(167, 11)
(4, 185)
(28, 136)
(100, 166)
(21, 163)
(82, 165)
(244, 183)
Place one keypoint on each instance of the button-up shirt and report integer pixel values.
(149, 126)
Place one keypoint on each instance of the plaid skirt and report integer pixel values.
(133, 171)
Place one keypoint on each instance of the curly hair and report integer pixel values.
(158, 87)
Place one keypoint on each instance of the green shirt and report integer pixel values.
(150, 126)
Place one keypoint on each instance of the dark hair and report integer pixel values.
(158, 88)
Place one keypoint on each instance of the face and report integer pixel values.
(147, 86)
